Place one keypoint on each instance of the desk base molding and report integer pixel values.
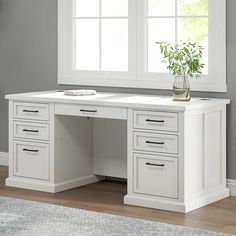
(154, 203)
(74, 183)
(175, 206)
(52, 188)
(207, 199)
(30, 184)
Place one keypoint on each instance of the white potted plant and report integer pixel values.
(183, 61)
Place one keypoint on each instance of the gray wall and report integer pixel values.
(28, 60)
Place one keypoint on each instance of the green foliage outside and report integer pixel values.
(195, 29)
(193, 7)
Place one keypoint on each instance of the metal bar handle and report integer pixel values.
(157, 121)
(29, 150)
(84, 110)
(151, 164)
(31, 111)
(30, 130)
(159, 143)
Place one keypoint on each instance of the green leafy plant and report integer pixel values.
(183, 59)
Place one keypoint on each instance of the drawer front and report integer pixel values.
(32, 111)
(91, 111)
(163, 143)
(163, 121)
(156, 175)
(31, 160)
(29, 130)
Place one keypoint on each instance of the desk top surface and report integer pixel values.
(119, 100)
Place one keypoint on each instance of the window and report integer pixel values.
(112, 43)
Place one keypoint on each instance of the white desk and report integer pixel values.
(173, 154)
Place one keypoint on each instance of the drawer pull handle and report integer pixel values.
(84, 110)
(151, 164)
(159, 143)
(31, 111)
(30, 150)
(157, 121)
(30, 130)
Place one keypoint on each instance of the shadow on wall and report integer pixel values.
(4, 6)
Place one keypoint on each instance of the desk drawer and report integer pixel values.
(29, 130)
(163, 121)
(32, 111)
(156, 175)
(91, 111)
(31, 160)
(164, 143)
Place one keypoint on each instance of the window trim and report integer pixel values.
(215, 81)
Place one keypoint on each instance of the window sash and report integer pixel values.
(216, 78)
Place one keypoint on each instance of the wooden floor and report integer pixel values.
(107, 196)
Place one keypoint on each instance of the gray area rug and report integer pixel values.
(26, 218)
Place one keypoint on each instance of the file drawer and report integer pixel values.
(152, 120)
(31, 160)
(156, 175)
(29, 130)
(32, 111)
(164, 143)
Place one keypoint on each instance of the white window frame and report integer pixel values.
(137, 77)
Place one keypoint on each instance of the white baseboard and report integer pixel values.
(231, 184)
(3, 159)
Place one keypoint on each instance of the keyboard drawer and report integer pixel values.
(163, 143)
(156, 175)
(31, 160)
(29, 130)
(91, 111)
(31, 111)
(152, 120)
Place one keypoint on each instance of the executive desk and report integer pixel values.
(173, 154)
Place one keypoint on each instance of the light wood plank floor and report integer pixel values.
(107, 196)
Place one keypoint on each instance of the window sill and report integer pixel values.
(206, 86)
